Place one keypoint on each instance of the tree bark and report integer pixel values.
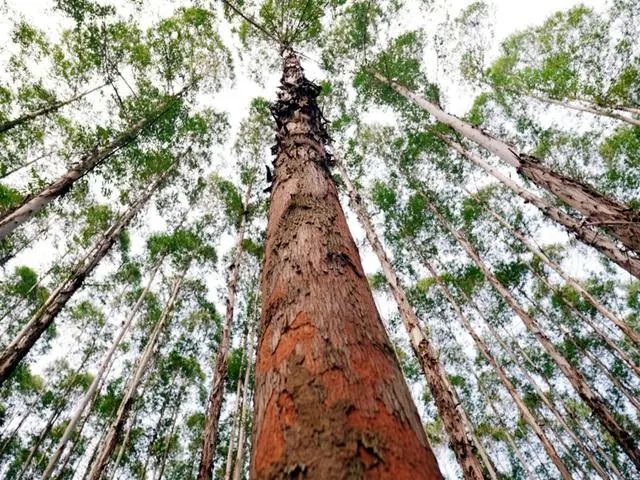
(97, 380)
(44, 317)
(587, 235)
(222, 356)
(165, 453)
(127, 401)
(603, 310)
(232, 436)
(15, 217)
(55, 106)
(577, 380)
(615, 218)
(330, 399)
(423, 349)
(527, 414)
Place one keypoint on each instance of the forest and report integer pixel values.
(324, 239)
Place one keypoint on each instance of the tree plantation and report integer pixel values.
(324, 239)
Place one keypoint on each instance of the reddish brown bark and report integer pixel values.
(222, 356)
(330, 400)
(425, 352)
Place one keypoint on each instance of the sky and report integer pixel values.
(508, 17)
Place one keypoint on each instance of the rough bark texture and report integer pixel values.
(9, 124)
(586, 234)
(34, 203)
(126, 403)
(222, 357)
(330, 399)
(427, 355)
(44, 317)
(617, 219)
(527, 414)
(577, 380)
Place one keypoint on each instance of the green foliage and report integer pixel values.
(231, 199)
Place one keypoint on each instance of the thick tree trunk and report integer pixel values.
(626, 329)
(577, 380)
(330, 399)
(527, 414)
(239, 468)
(55, 106)
(44, 317)
(422, 348)
(97, 380)
(126, 403)
(35, 202)
(617, 219)
(586, 234)
(222, 356)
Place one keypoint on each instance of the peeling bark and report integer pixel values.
(617, 219)
(577, 380)
(330, 398)
(423, 349)
(586, 234)
(222, 357)
(44, 317)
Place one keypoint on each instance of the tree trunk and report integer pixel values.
(587, 235)
(617, 219)
(125, 442)
(222, 357)
(232, 435)
(330, 398)
(165, 453)
(34, 203)
(43, 433)
(127, 401)
(239, 469)
(106, 361)
(25, 165)
(424, 351)
(577, 380)
(626, 329)
(527, 414)
(44, 317)
(55, 106)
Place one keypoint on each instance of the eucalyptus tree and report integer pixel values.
(396, 71)
(239, 210)
(320, 330)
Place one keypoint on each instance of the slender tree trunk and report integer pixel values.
(527, 414)
(222, 356)
(165, 453)
(125, 442)
(615, 349)
(617, 219)
(239, 469)
(604, 311)
(541, 394)
(27, 164)
(44, 317)
(25, 416)
(587, 235)
(126, 403)
(53, 107)
(97, 380)
(330, 398)
(43, 433)
(232, 435)
(424, 351)
(577, 380)
(156, 430)
(15, 217)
